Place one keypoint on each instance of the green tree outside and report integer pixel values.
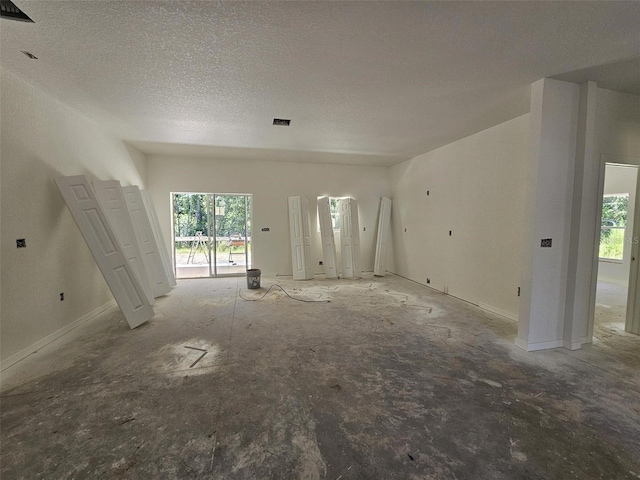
(613, 225)
(194, 212)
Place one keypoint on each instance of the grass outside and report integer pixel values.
(221, 249)
(612, 244)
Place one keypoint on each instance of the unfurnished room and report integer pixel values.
(319, 240)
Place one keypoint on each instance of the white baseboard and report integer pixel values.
(521, 343)
(532, 347)
(498, 311)
(24, 353)
(572, 345)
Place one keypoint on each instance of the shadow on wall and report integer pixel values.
(56, 259)
(139, 161)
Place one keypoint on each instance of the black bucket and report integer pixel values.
(253, 278)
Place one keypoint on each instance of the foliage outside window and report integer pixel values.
(194, 215)
(334, 210)
(613, 226)
(191, 214)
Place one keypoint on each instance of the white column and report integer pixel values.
(553, 133)
(584, 225)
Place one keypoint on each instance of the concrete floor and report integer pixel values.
(611, 305)
(390, 380)
(198, 267)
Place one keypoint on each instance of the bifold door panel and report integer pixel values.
(330, 259)
(111, 199)
(382, 241)
(106, 249)
(300, 229)
(147, 242)
(157, 233)
(350, 239)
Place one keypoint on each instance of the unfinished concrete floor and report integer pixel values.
(390, 380)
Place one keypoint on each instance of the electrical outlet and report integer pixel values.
(62, 297)
(21, 243)
(545, 243)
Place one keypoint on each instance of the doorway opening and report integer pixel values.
(616, 248)
(211, 234)
(334, 212)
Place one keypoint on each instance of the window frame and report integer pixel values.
(612, 228)
(333, 214)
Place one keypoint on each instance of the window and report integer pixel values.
(613, 226)
(334, 210)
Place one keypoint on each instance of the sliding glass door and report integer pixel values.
(232, 227)
(212, 234)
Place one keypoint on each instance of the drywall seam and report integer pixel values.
(24, 353)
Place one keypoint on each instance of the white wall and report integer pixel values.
(476, 190)
(618, 123)
(620, 180)
(41, 139)
(271, 183)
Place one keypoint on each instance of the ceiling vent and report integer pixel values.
(281, 122)
(9, 11)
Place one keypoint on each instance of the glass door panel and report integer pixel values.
(192, 234)
(232, 234)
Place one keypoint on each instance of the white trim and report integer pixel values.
(498, 311)
(610, 260)
(573, 345)
(632, 320)
(531, 347)
(521, 343)
(616, 160)
(24, 353)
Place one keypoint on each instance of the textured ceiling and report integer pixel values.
(372, 82)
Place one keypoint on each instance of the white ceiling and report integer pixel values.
(362, 82)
